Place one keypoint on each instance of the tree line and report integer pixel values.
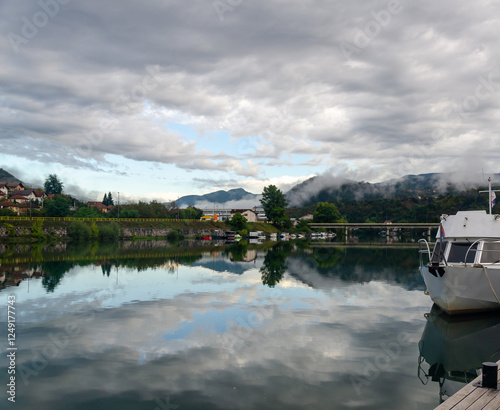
(403, 209)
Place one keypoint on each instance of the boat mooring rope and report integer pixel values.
(491, 286)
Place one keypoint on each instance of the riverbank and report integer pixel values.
(27, 230)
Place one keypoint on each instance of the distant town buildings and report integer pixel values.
(16, 197)
(256, 214)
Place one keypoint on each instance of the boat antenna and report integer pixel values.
(491, 194)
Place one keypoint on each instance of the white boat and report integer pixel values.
(463, 271)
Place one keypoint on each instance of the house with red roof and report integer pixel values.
(21, 199)
(28, 194)
(100, 206)
(17, 208)
(13, 186)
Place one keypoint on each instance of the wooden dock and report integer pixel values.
(473, 397)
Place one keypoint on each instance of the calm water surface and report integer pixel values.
(151, 326)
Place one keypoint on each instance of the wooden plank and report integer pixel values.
(470, 401)
(488, 400)
(458, 396)
(472, 397)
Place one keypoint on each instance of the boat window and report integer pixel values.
(491, 252)
(458, 251)
(438, 252)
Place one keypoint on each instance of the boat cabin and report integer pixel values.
(469, 237)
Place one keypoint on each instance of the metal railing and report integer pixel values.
(485, 240)
(421, 251)
(70, 218)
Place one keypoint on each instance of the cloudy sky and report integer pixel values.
(162, 98)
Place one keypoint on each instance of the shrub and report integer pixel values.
(36, 230)
(174, 235)
(79, 231)
(109, 231)
(95, 230)
(11, 230)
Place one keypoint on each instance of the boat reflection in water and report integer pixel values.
(454, 348)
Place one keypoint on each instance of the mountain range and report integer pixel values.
(8, 177)
(218, 197)
(327, 187)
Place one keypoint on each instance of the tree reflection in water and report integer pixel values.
(274, 266)
(53, 273)
(238, 251)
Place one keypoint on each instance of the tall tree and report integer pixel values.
(191, 213)
(110, 199)
(274, 203)
(53, 185)
(105, 200)
(327, 213)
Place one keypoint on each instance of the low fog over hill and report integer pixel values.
(327, 187)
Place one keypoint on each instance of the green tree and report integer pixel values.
(110, 199)
(191, 213)
(238, 222)
(105, 200)
(87, 212)
(53, 185)
(326, 213)
(57, 207)
(7, 212)
(158, 209)
(303, 226)
(129, 213)
(274, 203)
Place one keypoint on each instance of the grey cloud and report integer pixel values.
(273, 70)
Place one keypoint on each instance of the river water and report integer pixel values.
(149, 325)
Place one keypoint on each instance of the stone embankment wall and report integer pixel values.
(20, 232)
(129, 232)
(126, 232)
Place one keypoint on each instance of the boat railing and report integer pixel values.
(485, 240)
(425, 250)
(470, 247)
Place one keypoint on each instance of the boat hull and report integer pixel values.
(463, 289)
